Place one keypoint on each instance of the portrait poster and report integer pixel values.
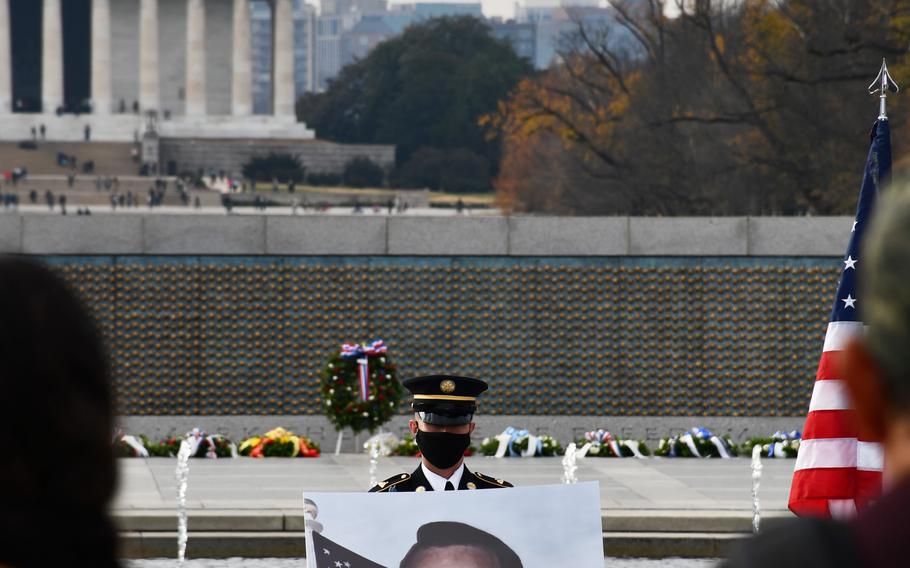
(521, 527)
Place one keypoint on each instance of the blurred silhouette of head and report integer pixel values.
(57, 469)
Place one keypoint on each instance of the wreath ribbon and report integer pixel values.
(362, 354)
(510, 436)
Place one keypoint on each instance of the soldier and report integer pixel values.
(444, 407)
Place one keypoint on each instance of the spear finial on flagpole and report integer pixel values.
(881, 85)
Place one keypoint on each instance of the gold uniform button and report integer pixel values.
(420, 489)
(471, 485)
(404, 475)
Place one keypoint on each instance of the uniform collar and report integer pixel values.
(437, 482)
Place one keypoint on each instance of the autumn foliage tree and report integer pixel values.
(755, 107)
(423, 91)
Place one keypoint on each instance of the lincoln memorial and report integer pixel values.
(115, 64)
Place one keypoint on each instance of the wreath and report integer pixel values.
(514, 442)
(696, 443)
(360, 387)
(279, 443)
(202, 445)
(778, 445)
(605, 445)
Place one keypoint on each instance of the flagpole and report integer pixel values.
(881, 85)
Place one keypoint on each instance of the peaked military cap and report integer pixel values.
(447, 533)
(445, 400)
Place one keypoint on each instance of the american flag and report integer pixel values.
(839, 467)
(329, 554)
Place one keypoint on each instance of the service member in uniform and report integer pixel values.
(443, 420)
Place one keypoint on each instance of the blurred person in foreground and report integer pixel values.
(57, 468)
(877, 371)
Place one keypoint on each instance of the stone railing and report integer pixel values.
(367, 235)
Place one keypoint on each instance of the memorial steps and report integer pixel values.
(84, 192)
(110, 158)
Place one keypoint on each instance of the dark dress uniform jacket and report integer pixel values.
(417, 481)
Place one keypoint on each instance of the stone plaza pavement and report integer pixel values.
(247, 507)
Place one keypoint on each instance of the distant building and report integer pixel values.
(522, 37)
(261, 31)
(304, 47)
(427, 10)
(339, 7)
(328, 47)
(304, 51)
(360, 40)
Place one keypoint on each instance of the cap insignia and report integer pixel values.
(447, 386)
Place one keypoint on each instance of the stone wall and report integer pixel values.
(212, 316)
(229, 155)
(368, 235)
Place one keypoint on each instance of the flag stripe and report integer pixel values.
(830, 424)
(840, 332)
(829, 367)
(826, 483)
(869, 456)
(826, 453)
(830, 395)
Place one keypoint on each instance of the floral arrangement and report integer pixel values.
(385, 442)
(360, 388)
(126, 446)
(600, 443)
(778, 445)
(407, 447)
(696, 443)
(520, 443)
(279, 443)
(202, 445)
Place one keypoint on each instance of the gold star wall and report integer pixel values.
(608, 336)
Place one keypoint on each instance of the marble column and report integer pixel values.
(283, 59)
(101, 56)
(195, 58)
(149, 90)
(242, 62)
(52, 57)
(6, 61)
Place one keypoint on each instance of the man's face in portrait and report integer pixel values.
(455, 556)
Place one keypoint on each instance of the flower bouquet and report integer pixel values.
(279, 443)
(386, 442)
(600, 443)
(696, 443)
(406, 447)
(778, 445)
(202, 445)
(126, 446)
(520, 443)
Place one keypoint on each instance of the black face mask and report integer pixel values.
(442, 449)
